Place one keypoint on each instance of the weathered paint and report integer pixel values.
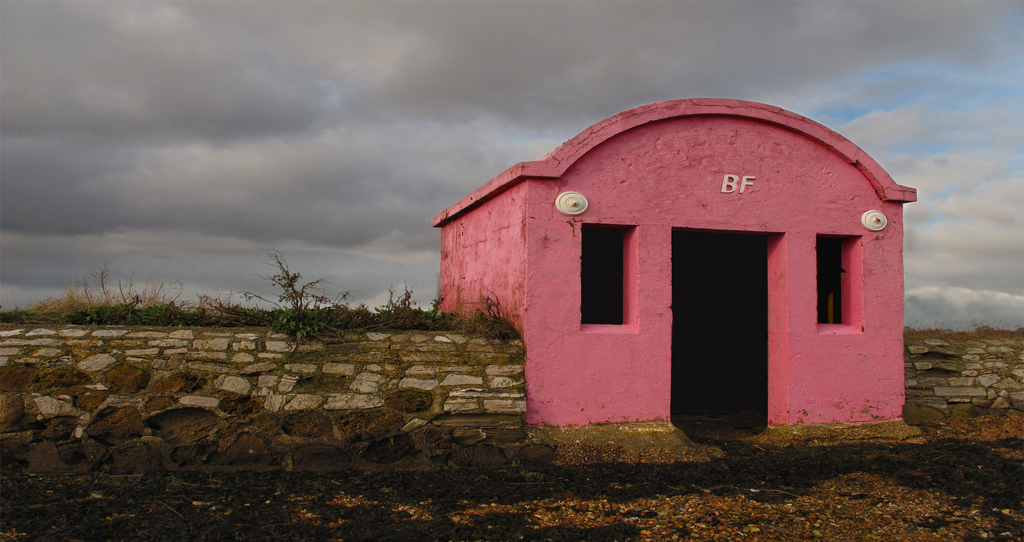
(702, 164)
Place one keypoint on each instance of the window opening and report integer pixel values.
(830, 280)
(602, 275)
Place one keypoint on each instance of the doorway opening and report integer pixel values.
(720, 326)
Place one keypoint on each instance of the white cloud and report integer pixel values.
(933, 305)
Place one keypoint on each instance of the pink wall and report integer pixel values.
(660, 168)
(483, 256)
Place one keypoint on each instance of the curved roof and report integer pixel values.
(559, 160)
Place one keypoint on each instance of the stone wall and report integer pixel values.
(962, 378)
(129, 399)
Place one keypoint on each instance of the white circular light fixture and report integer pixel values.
(571, 203)
(873, 220)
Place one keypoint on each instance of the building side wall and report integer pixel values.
(483, 264)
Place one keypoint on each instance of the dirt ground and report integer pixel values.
(958, 480)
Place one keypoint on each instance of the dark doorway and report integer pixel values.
(720, 323)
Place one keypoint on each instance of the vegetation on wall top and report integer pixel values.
(300, 309)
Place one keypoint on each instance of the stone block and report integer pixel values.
(1008, 384)
(11, 333)
(456, 369)
(310, 347)
(504, 405)
(10, 351)
(504, 369)
(301, 368)
(70, 333)
(274, 403)
(413, 425)
(242, 357)
(922, 365)
(96, 362)
(46, 353)
(266, 381)
(418, 357)
(352, 401)
(964, 391)
(268, 355)
(220, 343)
(416, 383)
(462, 380)
(1000, 403)
(917, 349)
(461, 405)
(208, 356)
(109, 333)
(234, 384)
(969, 372)
(368, 382)
(244, 345)
(346, 369)
(378, 336)
(199, 401)
(258, 368)
(40, 332)
(142, 352)
(168, 343)
(507, 382)
(988, 379)
(287, 383)
(181, 334)
(50, 407)
(481, 393)
(280, 346)
(936, 342)
(304, 402)
(970, 357)
(960, 381)
(1000, 349)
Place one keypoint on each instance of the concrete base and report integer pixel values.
(630, 437)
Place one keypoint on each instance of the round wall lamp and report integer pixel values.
(873, 220)
(571, 203)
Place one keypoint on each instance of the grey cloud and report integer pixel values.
(110, 70)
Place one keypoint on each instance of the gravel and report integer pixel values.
(958, 480)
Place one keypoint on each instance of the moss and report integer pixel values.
(127, 379)
(369, 425)
(17, 377)
(410, 401)
(308, 424)
(179, 383)
(62, 377)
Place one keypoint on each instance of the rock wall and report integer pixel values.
(963, 378)
(128, 399)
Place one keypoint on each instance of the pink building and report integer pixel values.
(700, 253)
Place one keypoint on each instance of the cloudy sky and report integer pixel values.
(178, 142)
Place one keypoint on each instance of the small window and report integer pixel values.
(831, 280)
(602, 275)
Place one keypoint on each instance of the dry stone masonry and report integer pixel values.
(950, 377)
(130, 399)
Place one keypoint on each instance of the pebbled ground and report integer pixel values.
(958, 480)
